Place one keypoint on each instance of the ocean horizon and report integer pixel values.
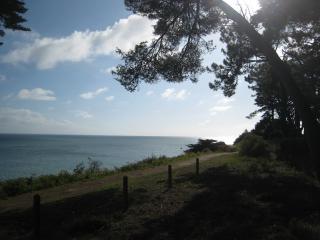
(25, 155)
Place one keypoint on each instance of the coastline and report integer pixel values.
(17, 186)
(85, 186)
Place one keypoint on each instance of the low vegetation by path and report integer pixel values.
(82, 172)
(232, 198)
(146, 167)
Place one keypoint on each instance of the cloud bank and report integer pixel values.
(47, 52)
(38, 94)
(26, 120)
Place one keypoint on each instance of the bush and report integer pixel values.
(241, 137)
(253, 146)
(93, 166)
(79, 169)
(15, 186)
(208, 145)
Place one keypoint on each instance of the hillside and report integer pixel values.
(232, 198)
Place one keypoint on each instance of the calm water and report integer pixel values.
(24, 155)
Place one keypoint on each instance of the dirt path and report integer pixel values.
(24, 201)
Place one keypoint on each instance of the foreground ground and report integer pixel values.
(233, 198)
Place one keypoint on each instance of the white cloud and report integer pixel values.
(222, 105)
(168, 93)
(182, 94)
(224, 101)
(149, 93)
(109, 98)
(83, 114)
(90, 95)
(47, 52)
(20, 117)
(172, 94)
(2, 78)
(38, 94)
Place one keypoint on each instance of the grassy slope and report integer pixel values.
(18, 186)
(233, 198)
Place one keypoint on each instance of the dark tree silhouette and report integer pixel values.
(11, 16)
(206, 144)
(182, 28)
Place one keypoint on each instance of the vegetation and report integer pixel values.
(11, 16)
(254, 146)
(209, 145)
(81, 172)
(233, 198)
(287, 88)
(155, 161)
(260, 193)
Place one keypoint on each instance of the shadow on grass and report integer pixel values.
(77, 216)
(243, 206)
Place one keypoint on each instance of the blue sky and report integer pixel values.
(56, 79)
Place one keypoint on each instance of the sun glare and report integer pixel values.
(251, 5)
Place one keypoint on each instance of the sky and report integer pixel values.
(57, 79)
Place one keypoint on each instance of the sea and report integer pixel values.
(33, 155)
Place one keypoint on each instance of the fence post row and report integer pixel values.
(169, 176)
(37, 199)
(125, 192)
(36, 213)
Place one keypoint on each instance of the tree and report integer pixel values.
(207, 145)
(278, 109)
(11, 16)
(183, 27)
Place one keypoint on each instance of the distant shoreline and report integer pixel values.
(23, 155)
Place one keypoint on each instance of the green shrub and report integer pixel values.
(16, 186)
(65, 177)
(45, 181)
(253, 146)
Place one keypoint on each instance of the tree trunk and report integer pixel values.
(283, 73)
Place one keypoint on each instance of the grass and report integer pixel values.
(18, 186)
(154, 161)
(233, 198)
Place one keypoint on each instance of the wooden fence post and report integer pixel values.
(36, 214)
(169, 176)
(125, 192)
(197, 166)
